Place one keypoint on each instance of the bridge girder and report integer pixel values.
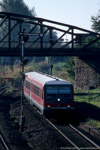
(48, 45)
(90, 53)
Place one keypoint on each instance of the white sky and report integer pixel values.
(73, 12)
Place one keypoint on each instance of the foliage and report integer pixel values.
(70, 67)
(9, 90)
(91, 38)
(58, 66)
(44, 67)
(19, 7)
(57, 59)
(96, 26)
(39, 59)
(58, 70)
(63, 75)
(16, 6)
(94, 123)
(96, 22)
(31, 66)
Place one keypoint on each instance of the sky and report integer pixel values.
(73, 12)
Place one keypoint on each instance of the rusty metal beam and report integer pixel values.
(2, 14)
(59, 38)
(70, 42)
(41, 31)
(20, 17)
(3, 21)
(9, 32)
(33, 29)
(72, 38)
(92, 42)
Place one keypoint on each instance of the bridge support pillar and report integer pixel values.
(85, 76)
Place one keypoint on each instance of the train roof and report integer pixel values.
(45, 79)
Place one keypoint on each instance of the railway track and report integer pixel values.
(3, 145)
(76, 138)
(3, 90)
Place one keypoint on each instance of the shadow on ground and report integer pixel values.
(87, 110)
(82, 112)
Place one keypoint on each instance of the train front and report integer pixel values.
(58, 96)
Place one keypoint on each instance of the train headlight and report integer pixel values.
(58, 99)
(68, 105)
(48, 106)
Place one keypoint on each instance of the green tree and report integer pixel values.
(91, 38)
(16, 6)
(96, 27)
(70, 68)
(96, 22)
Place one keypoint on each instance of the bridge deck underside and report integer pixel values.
(51, 52)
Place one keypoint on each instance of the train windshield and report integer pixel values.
(61, 91)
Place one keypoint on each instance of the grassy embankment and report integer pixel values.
(91, 97)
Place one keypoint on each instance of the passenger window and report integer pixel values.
(27, 85)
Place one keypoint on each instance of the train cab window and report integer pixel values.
(61, 92)
(52, 93)
(65, 92)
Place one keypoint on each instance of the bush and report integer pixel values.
(44, 67)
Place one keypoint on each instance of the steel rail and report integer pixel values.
(3, 89)
(62, 134)
(96, 147)
(85, 137)
(3, 92)
(4, 143)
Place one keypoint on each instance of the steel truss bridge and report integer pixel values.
(58, 39)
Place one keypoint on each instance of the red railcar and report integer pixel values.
(48, 93)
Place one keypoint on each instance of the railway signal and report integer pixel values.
(25, 38)
(31, 34)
